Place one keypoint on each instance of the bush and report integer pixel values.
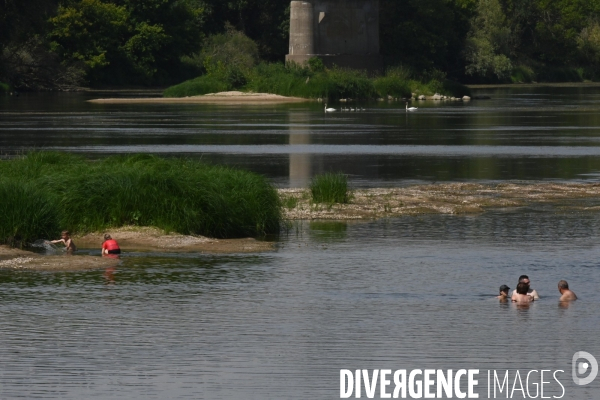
(26, 213)
(179, 195)
(198, 86)
(522, 74)
(4, 87)
(330, 188)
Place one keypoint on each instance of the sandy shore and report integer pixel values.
(21, 260)
(135, 238)
(130, 239)
(225, 98)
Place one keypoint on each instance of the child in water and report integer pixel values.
(65, 238)
(503, 297)
(110, 246)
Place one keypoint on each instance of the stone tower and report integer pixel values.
(340, 32)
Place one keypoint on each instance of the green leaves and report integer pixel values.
(126, 41)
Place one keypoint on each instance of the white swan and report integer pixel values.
(411, 108)
(329, 109)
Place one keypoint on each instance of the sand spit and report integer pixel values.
(225, 98)
(130, 239)
(15, 259)
(134, 238)
(451, 198)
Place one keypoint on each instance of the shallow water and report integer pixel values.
(400, 294)
(405, 293)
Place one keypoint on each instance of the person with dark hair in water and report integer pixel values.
(532, 292)
(503, 296)
(521, 296)
(110, 246)
(566, 293)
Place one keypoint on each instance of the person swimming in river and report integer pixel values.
(566, 294)
(503, 296)
(521, 296)
(110, 246)
(65, 238)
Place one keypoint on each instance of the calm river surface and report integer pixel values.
(405, 293)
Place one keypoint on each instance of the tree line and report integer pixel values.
(63, 44)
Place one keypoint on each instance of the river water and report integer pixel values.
(405, 293)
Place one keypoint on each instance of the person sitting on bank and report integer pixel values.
(532, 292)
(566, 293)
(65, 238)
(110, 246)
(521, 296)
(503, 297)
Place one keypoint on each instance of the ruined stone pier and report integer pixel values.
(340, 32)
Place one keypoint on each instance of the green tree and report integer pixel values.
(488, 43)
(126, 41)
(424, 35)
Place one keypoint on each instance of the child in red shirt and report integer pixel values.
(110, 246)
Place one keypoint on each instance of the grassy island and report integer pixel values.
(314, 81)
(43, 193)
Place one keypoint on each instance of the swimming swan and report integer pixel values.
(329, 109)
(410, 108)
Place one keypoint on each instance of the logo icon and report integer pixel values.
(580, 367)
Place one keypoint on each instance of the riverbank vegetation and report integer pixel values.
(43, 193)
(330, 188)
(330, 84)
(63, 44)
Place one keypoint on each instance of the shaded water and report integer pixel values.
(406, 293)
(521, 133)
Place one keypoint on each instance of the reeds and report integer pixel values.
(26, 213)
(179, 195)
(330, 188)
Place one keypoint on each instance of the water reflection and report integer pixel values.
(521, 133)
(300, 166)
(414, 292)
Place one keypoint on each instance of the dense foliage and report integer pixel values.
(308, 82)
(46, 44)
(43, 193)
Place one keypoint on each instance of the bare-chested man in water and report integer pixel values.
(566, 294)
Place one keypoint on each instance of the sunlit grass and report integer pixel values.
(330, 188)
(179, 195)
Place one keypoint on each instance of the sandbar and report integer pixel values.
(442, 198)
(131, 239)
(225, 98)
(21, 260)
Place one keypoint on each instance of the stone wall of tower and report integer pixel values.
(340, 32)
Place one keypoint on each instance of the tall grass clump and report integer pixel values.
(180, 195)
(4, 87)
(194, 87)
(330, 188)
(26, 213)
